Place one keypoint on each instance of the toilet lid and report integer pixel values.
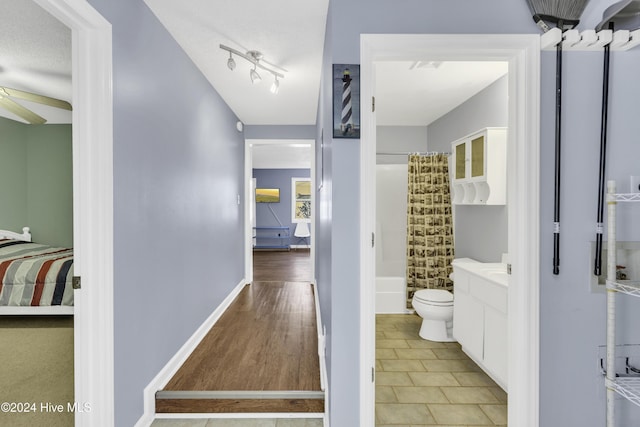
(434, 295)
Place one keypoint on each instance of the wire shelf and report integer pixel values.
(627, 387)
(624, 197)
(628, 287)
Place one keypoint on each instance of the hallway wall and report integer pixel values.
(178, 173)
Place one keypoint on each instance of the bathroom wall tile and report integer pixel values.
(393, 378)
(379, 366)
(385, 394)
(433, 379)
(402, 365)
(403, 413)
(497, 413)
(420, 395)
(459, 414)
(415, 353)
(469, 395)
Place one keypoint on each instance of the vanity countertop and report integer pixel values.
(493, 271)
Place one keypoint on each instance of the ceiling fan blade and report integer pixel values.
(20, 111)
(40, 99)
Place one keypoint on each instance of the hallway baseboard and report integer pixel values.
(181, 356)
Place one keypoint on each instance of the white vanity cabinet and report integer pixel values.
(480, 167)
(480, 316)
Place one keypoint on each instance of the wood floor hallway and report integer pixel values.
(261, 356)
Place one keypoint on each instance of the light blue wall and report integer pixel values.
(572, 318)
(178, 229)
(480, 231)
(399, 139)
(278, 178)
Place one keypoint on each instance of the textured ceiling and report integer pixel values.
(35, 56)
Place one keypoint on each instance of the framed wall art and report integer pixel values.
(346, 101)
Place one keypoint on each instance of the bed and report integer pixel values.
(34, 278)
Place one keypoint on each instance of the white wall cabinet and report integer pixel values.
(480, 168)
(480, 319)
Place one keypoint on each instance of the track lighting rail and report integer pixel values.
(253, 57)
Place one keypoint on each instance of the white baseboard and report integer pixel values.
(180, 357)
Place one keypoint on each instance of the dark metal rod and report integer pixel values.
(597, 270)
(556, 201)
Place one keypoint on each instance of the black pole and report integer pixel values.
(556, 201)
(603, 161)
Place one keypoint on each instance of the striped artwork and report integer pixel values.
(33, 274)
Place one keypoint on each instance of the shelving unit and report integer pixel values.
(274, 237)
(627, 387)
(480, 168)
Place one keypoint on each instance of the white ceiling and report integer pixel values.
(35, 55)
(413, 93)
(289, 33)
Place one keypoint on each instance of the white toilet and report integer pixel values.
(435, 306)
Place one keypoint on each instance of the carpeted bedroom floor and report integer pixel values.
(36, 373)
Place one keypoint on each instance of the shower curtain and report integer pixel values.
(429, 224)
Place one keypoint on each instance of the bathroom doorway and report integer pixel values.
(436, 377)
(522, 55)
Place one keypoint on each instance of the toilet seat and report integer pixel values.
(438, 297)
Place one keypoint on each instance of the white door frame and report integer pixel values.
(92, 208)
(523, 54)
(249, 198)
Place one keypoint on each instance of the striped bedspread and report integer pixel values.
(32, 274)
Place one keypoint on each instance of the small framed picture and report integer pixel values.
(346, 101)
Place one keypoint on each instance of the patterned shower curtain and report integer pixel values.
(429, 224)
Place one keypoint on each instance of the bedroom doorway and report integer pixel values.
(522, 52)
(279, 224)
(92, 136)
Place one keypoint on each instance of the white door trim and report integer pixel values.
(523, 54)
(92, 208)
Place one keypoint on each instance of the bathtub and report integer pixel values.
(391, 295)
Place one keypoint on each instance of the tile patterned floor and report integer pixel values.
(425, 383)
(252, 422)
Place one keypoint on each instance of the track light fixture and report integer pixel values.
(255, 77)
(275, 86)
(231, 63)
(255, 57)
